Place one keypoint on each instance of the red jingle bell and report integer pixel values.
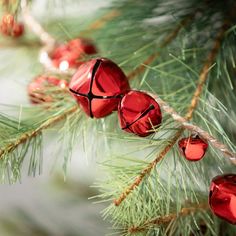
(138, 113)
(10, 27)
(222, 197)
(8, 20)
(7, 23)
(98, 86)
(18, 30)
(69, 55)
(4, 30)
(193, 148)
(36, 89)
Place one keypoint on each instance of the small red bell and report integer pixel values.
(222, 197)
(193, 148)
(36, 89)
(138, 113)
(98, 86)
(18, 30)
(8, 20)
(70, 55)
(4, 30)
(10, 27)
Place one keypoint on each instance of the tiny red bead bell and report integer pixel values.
(138, 113)
(193, 148)
(69, 55)
(222, 197)
(98, 86)
(36, 89)
(18, 30)
(4, 30)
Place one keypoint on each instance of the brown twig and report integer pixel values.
(98, 24)
(205, 70)
(202, 79)
(12, 44)
(147, 170)
(168, 218)
(31, 134)
(169, 38)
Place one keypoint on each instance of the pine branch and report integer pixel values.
(29, 135)
(11, 161)
(193, 128)
(155, 195)
(49, 42)
(205, 70)
(99, 23)
(202, 79)
(169, 218)
(148, 169)
(168, 39)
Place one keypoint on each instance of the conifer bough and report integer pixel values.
(146, 209)
(188, 116)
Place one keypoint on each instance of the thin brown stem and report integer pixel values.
(99, 23)
(202, 79)
(168, 218)
(168, 39)
(31, 134)
(205, 70)
(147, 170)
(12, 44)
